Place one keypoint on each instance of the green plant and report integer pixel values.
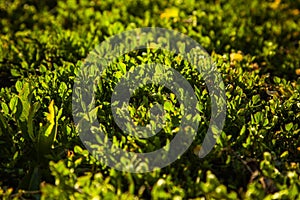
(255, 46)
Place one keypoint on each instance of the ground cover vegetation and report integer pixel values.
(255, 46)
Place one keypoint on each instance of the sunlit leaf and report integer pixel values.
(170, 12)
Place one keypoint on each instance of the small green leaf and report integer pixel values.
(13, 104)
(168, 106)
(19, 85)
(62, 87)
(255, 99)
(172, 97)
(258, 117)
(122, 67)
(289, 126)
(243, 130)
(4, 108)
(15, 72)
(284, 154)
(276, 80)
(77, 149)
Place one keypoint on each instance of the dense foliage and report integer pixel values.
(255, 45)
